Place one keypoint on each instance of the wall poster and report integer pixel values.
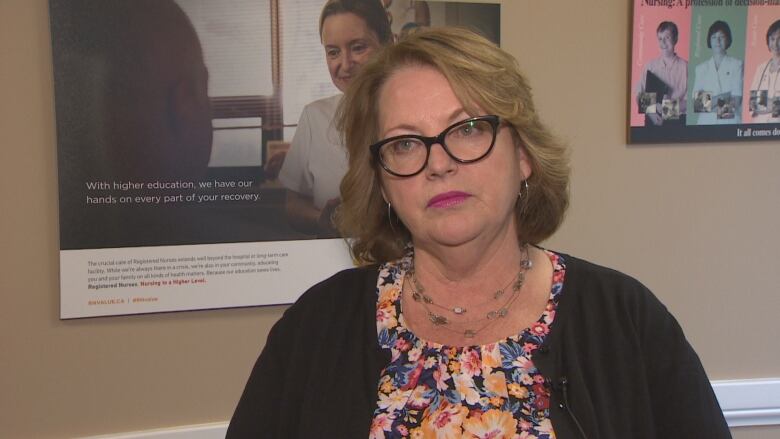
(198, 165)
(705, 70)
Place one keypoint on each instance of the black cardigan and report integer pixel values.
(617, 361)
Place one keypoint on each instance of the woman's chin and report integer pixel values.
(341, 84)
(453, 234)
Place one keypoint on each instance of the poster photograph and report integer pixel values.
(704, 71)
(198, 162)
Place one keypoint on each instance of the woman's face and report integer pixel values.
(719, 42)
(448, 203)
(348, 44)
(666, 42)
(774, 44)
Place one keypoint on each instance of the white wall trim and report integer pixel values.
(215, 430)
(744, 403)
(749, 402)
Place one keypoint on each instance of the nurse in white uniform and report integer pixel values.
(351, 31)
(719, 75)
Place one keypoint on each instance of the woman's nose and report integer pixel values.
(349, 60)
(439, 162)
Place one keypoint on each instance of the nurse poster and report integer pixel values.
(693, 69)
(176, 122)
(762, 87)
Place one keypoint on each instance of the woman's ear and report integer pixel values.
(523, 159)
(524, 163)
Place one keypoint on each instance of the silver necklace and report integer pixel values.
(473, 327)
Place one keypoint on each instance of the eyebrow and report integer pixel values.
(452, 118)
(353, 41)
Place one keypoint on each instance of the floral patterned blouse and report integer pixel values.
(431, 390)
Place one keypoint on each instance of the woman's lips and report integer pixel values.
(448, 199)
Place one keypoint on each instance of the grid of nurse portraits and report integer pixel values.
(724, 71)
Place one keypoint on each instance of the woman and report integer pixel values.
(351, 31)
(459, 325)
(765, 88)
(720, 78)
(666, 77)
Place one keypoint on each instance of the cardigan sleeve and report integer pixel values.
(625, 363)
(683, 402)
(265, 395)
(320, 362)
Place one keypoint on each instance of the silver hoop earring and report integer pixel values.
(390, 217)
(520, 193)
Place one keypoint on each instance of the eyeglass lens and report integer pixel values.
(466, 142)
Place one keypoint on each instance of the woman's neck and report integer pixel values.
(774, 63)
(717, 58)
(478, 263)
(487, 289)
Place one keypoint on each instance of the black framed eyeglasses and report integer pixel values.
(466, 141)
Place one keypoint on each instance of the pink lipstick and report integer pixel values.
(448, 199)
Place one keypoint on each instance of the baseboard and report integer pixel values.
(215, 430)
(744, 403)
(749, 402)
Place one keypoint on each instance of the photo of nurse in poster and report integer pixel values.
(659, 68)
(764, 104)
(169, 111)
(717, 84)
(351, 31)
(664, 80)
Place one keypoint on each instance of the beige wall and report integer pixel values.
(694, 222)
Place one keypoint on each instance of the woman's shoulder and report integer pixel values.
(344, 300)
(760, 68)
(736, 62)
(342, 290)
(594, 290)
(324, 106)
(733, 59)
(593, 283)
(703, 66)
(585, 270)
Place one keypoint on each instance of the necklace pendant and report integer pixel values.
(469, 333)
(417, 285)
(437, 319)
(519, 282)
(459, 310)
(421, 297)
(491, 315)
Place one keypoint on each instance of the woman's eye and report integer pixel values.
(359, 48)
(468, 129)
(331, 53)
(403, 146)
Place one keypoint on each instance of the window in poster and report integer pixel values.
(178, 125)
(704, 71)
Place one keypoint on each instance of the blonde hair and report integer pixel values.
(485, 79)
